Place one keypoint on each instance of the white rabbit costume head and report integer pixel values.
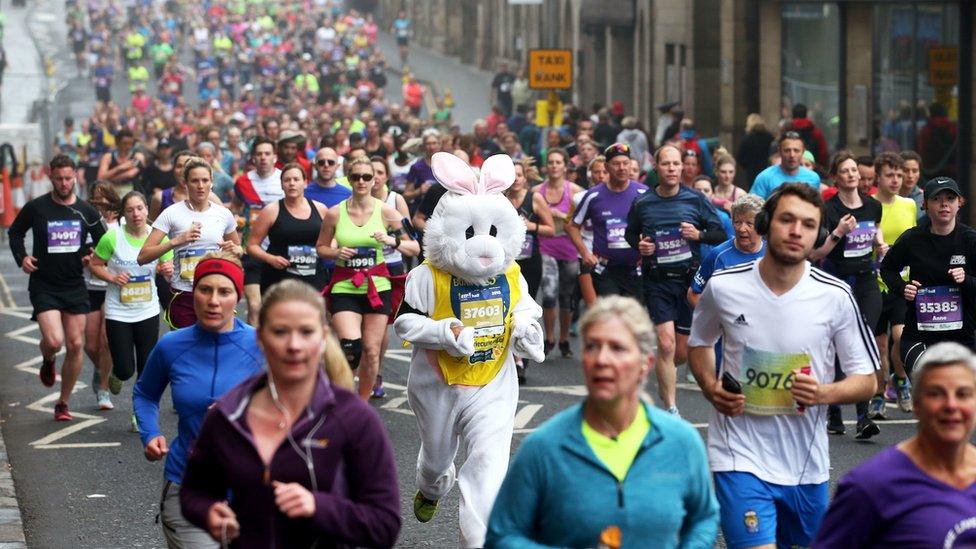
(474, 232)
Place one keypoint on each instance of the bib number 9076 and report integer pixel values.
(770, 380)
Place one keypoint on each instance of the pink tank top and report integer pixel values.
(559, 246)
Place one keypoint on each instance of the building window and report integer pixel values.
(675, 71)
(811, 47)
(916, 83)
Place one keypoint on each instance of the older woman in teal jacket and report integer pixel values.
(613, 469)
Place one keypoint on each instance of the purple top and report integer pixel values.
(888, 501)
(607, 210)
(559, 246)
(420, 173)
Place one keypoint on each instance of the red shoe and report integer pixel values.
(46, 373)
(61, 412)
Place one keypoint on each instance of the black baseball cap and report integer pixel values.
(164, 143)
(938, 184)
(617, 149)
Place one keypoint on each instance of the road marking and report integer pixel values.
(5, 289)
(525, 415)
(18, 334)
(572, 390)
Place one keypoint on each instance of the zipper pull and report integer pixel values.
(266, 478)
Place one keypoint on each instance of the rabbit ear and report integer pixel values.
(453, 173)
(497, 174)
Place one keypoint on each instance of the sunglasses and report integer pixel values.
(690, 153)
(360, 177)
(624, 149)
(325, 162)
(791, 135)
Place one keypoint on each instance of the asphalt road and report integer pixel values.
(87, 484)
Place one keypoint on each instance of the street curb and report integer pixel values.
(11, 523)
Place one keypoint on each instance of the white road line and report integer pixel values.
(78, 445)
(394, 403)
(5, 289)
(18, 313)
(398, 358)
(525, 415)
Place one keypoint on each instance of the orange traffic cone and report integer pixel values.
(7, 210)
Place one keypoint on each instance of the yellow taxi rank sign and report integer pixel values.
(551, 69)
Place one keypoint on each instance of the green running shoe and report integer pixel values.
(424, 508)
(114, 384)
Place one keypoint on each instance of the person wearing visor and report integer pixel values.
(941, 257)
(200, 363)
(613, 262)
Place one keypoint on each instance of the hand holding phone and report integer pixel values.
(731, 384)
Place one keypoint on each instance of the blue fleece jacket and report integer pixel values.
(559, 494)
(201, 366)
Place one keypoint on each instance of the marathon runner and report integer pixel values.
(613, 262)
(596, 174)
(195, 227)
(253, 191)
(668, 227)
(103, 197)
(849, 254)
(941, 257)
(60, 223)
(782, 323)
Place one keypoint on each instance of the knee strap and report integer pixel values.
(353, 349)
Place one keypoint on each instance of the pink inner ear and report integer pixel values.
(497, 174)
(454, 174)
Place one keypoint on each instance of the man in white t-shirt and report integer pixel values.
(253, 191)
(783, 323)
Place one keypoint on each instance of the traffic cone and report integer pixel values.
(7, 203)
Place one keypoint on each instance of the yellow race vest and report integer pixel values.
(487, 309)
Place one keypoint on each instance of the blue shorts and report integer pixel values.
(755, 512)
(667, 301)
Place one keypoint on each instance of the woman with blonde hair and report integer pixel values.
(329, 475)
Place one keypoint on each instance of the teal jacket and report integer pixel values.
(559, 494)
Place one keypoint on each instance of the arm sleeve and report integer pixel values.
(705, 271)
(203, 479)
(230, 224)
(854, 339)
(714, 232)
(163, 222)
(851, 519)
(147, 392)
(633, 231)
(514, 514)
(893, 263)
(706, 326)
(106, 246)
(18, 230)
(579, 216)
(700, 527)
(759, 188)
(370, 514)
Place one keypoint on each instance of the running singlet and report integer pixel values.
(488, 309)
(369, 252)
(294, 239)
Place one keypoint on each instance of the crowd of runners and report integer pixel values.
(267, 166)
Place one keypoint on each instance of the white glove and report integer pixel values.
(527, 340)
(463, 345)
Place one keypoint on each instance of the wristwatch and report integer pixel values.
(834, 237)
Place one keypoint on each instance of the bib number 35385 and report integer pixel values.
(938, 309)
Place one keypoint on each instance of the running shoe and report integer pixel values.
(876, 408)
(104, 400)
(46, 373)
(378, 391)
(114, 384)
(565, 350)
(891, 392)
(835, 421)
(135, 424)
(61, 412)
(424, 508)
(547, 347)
(574, 329)
(866, 429)
(904, 389)
(674, 411)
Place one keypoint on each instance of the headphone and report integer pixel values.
(765, 215)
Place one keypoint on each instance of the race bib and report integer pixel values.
(137, 291)
(938, 309)
(365, 258)
(860, 241)
(768, 378)
(63, 237)
(670, 247)
(303, 260)
(189, 258)
(527, 246)
(484, 310)
(615, 234)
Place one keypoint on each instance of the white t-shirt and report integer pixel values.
(764, 335)
(215, 222)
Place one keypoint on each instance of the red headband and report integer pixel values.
(216, 265)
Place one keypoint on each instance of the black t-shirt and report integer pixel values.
(60, 234)
(503, 83)
(154, 178)
(853, 254)
(929, 258)
(430, 199)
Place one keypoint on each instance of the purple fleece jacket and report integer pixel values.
(357, 502)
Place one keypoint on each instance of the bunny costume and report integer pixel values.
(464, 388)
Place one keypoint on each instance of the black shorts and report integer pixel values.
(252, 269)
(397, 269)
(403, 40)
(96, 298)
(359, 303)
(893, 311)
(73, 302)
(667, 301)
(618, 280)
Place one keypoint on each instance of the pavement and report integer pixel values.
(86, 483)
